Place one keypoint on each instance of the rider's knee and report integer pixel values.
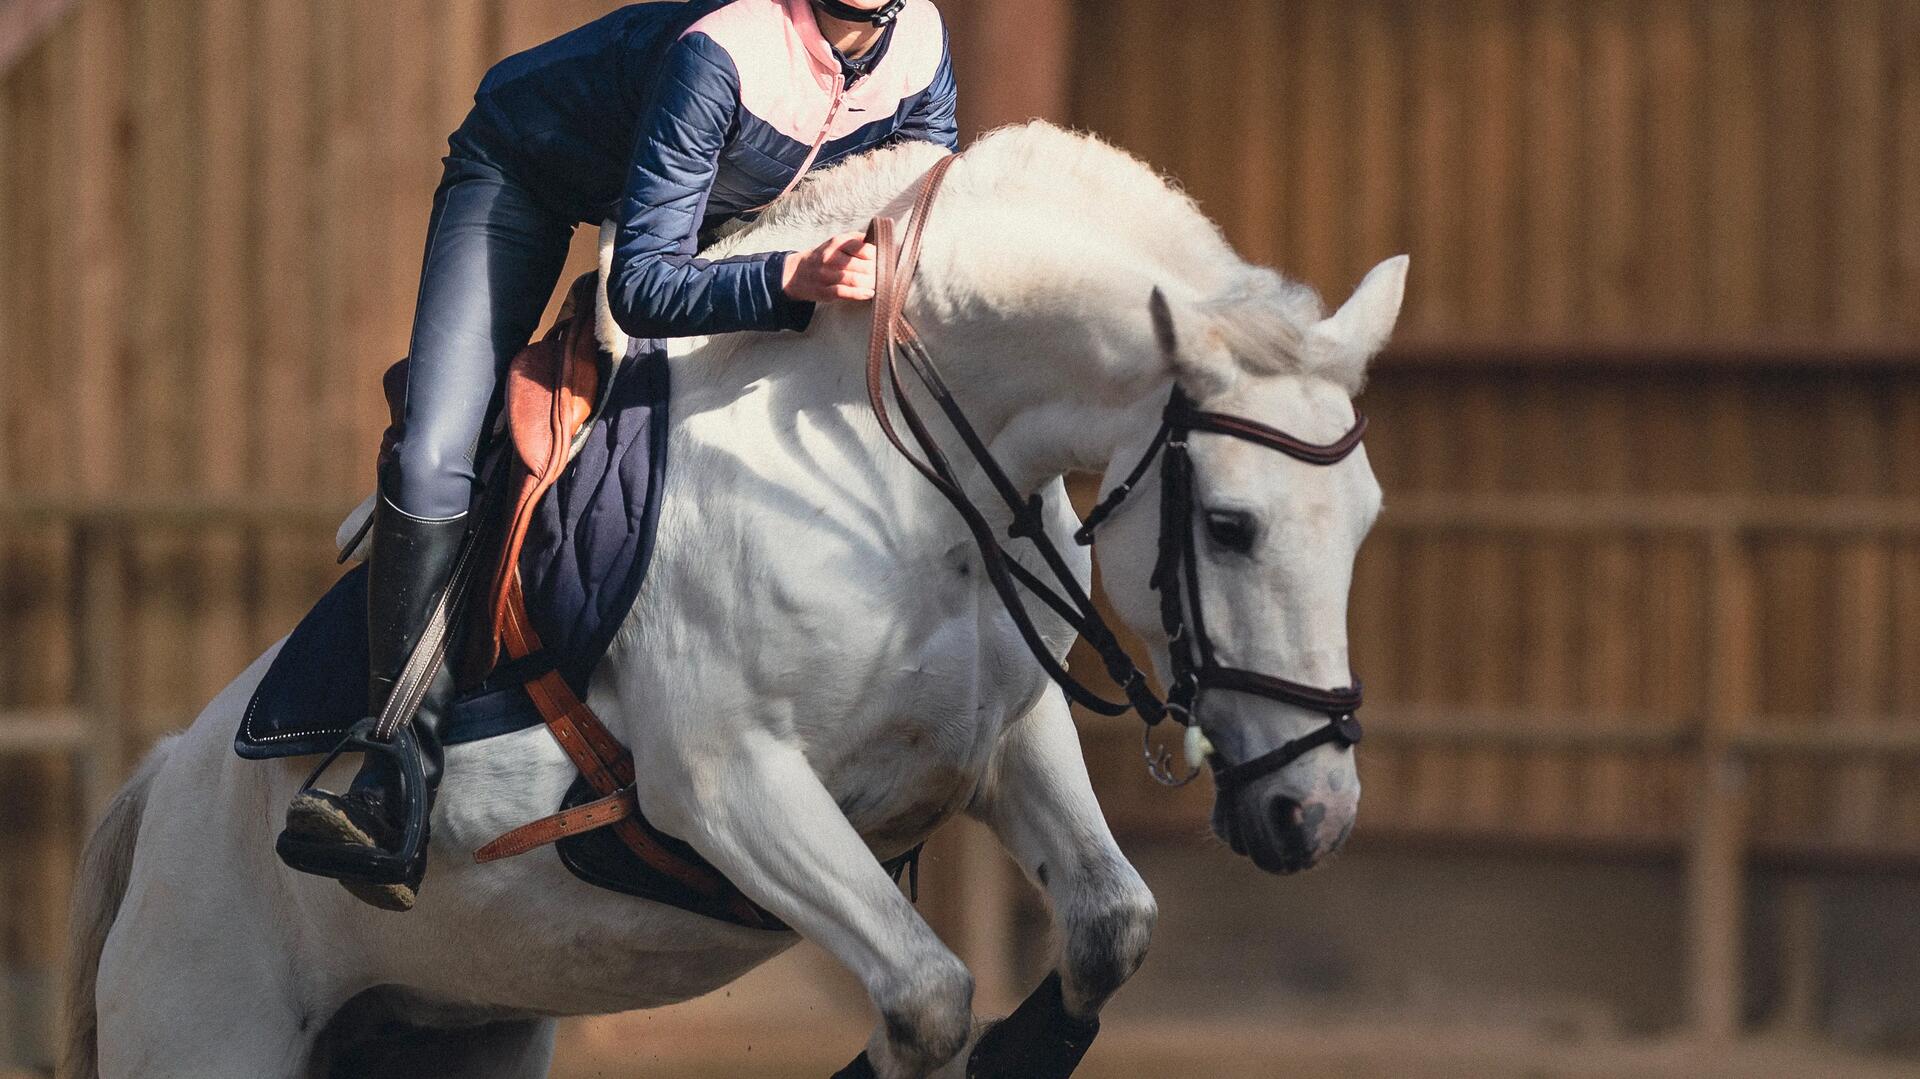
(929, 1010)
(432, 477)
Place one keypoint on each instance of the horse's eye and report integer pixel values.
(1232, 529)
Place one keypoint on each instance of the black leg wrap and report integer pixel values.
(1038, 1041)
(861, 1068)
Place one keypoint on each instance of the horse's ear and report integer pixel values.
(1163, 332)
(1189, 369)
(1342, 345)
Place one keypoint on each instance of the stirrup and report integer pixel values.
(370, 865)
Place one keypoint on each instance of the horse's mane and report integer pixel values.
(1079, 184)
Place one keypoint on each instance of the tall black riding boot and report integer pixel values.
(408, 569)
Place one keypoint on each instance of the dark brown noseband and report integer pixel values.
(1196, 669)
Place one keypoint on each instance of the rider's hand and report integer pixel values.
(842, 268)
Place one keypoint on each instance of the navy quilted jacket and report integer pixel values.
(672, 118)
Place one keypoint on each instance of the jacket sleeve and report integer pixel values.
(659, 289)
(933, 117)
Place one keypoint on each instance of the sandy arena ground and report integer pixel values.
(786, 1021)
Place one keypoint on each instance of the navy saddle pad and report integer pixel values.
(584, 561)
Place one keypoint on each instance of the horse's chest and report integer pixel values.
(914, 761)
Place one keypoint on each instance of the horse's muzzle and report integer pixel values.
(1279, 834)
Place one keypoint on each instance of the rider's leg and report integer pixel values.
(1040, 804)
(493, 256)
(763, 818)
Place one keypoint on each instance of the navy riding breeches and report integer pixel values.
(494, 255)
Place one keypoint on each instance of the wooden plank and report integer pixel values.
(1193, 129)
(31, 840)
(1675, 655)
(1676, 197)
(1434, 183)
(1613, 594)
(10, 205)
(1796, 674)
(1373, 223)
(1903, 809)
(1860, 172)
(284, 193)
(1716, 853)
(1486, 611)
(101, 211)
(1614, 166)
(1260, 174)
(1861, 631)
(47, 731)
(33, 377)
(222, 637)
(164, 437)
(1729, 353)
(1318, 150)
(1903, 212)
(1554, 254)
(1799, 204)
(1641, 514)
(408, 132)
(1490, 203)
(1736, 215)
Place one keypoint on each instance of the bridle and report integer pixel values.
(1196, 667)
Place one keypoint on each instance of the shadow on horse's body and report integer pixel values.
(816, 673)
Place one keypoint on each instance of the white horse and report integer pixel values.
(816, 672)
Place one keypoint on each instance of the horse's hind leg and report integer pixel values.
(179, 1000)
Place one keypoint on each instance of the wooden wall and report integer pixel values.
(1613, 172)
(1651, 437)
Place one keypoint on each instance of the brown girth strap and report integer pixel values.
(608, 768)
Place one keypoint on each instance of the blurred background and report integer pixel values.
(1640, 626)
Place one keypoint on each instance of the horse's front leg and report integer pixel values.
(1039, 802)
(764, 819)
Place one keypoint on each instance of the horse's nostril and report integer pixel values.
(1286, 815)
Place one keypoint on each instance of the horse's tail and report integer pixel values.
(97, 892)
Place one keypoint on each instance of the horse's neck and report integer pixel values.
(1033, 401)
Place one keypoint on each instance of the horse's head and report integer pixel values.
(1264, 568)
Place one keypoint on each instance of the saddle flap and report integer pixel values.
(553, 386)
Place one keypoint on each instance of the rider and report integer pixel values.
(673, 119)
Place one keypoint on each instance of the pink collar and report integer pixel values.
(801, 14)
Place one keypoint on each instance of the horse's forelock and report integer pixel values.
(1263, 318)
